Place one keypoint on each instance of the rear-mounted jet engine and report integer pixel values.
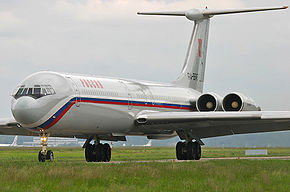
(239, 102)
(209, 102)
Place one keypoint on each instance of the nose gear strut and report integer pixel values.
(44, 154)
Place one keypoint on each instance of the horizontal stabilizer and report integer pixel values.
(198, 14)
(166, 13)
(246, 10)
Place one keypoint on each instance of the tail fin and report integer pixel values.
(149, 144)
(193, 71)
(192, 74)
(14, 143)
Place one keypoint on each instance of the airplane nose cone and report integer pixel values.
(25, 110)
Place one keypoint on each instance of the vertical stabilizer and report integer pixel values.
(192, 75)
(149, 144)
(193, 70)
(14, 143)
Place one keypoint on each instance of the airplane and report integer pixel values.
(13, 144)
(109, 109)
(149, 144)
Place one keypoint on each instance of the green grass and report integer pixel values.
(20, 171)
(128, 153)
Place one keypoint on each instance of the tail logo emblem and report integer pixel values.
(199, 47)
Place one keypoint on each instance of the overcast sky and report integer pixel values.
(249, 53)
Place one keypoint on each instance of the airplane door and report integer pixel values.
(130, 106)
(76, 92)
(149, 97)
(129, 96)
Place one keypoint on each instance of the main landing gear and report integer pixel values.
(43, 153)
(188, 151)
(98, 152)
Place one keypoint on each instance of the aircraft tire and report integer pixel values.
(198, 151)
(89, 153)
(98, 152)
(49, 155)
(107, 152)
(41, 157)
(180, 155)
(191, 151)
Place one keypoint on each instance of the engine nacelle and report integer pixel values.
(239, 102)
(209, 102)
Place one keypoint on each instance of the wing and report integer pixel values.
(8, 126)
(212, 124)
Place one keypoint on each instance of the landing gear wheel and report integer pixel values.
(44, 154)
(180, 152)
(188, 151)
(107, 152)
(41, 157)
(198, 151)
(191, 151)
(49, 155)
(89, 153)
(98, 152)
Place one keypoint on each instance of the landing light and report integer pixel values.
(43, 139)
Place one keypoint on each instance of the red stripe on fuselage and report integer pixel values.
(136, 104)
(112, 103)
(60, 116)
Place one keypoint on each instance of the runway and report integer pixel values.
(202, 159)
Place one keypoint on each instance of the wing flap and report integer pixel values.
(177, 117)
(213, 124)
(243, 10)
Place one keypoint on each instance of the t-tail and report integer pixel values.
(14, 143)
(193, 70)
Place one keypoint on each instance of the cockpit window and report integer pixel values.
(48, 91)
(30, 91)
(25, 91)
(52, 91)
(44, 91)
(19, 91)
(35, 91)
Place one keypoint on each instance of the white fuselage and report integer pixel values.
(88, 105)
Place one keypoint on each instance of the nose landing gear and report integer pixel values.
(43, 153)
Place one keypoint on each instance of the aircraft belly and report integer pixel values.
(91, 118)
